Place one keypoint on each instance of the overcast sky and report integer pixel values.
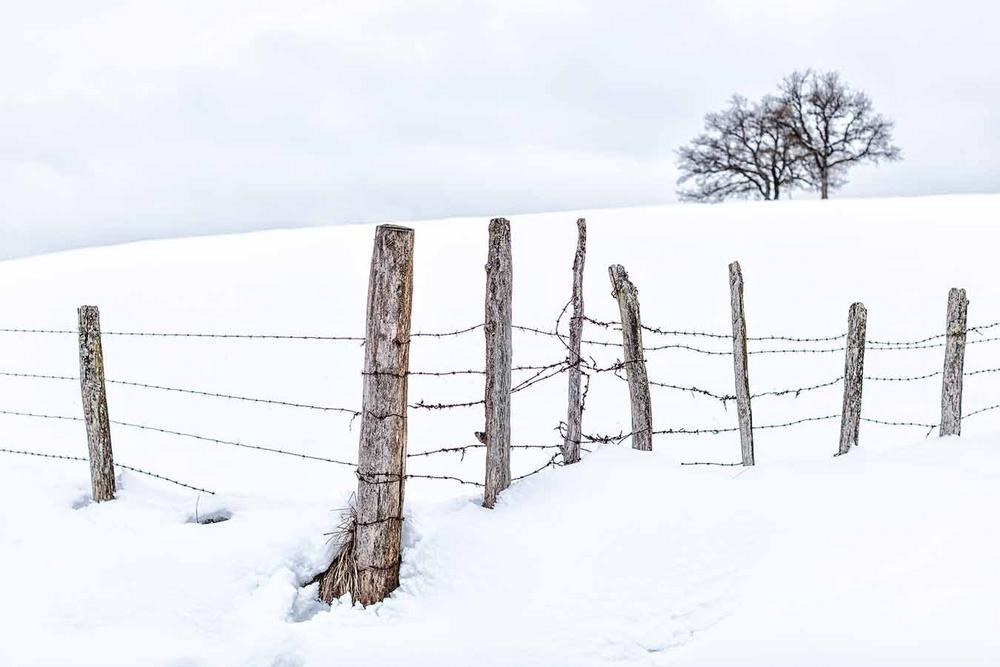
(127, 120)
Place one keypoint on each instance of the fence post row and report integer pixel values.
(382, 445)
(743, 411)
(635, 363)
(499, 353)
(95, 405)
(574, 414)
(954, 363)
(854, 371)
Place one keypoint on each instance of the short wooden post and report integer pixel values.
(854, 371)
(378, 509)
(743, 412)
(499, 291)
(954, 363)
(627, 296)
(574, 412)
(95, 405)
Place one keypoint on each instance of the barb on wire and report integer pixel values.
(919, 343)
(233, 443)
(233, 397)
(885, 422)
(16, 413)
(709, 463)
(796, 391)
(981, 410)
(64, 457)
(444, 334)
(908, 378)
(38, 331)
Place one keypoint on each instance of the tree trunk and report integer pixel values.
(824, 186)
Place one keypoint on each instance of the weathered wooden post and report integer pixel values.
(367, 566)
(627, 296)
(854, 371)
(743, 412)
(499, 291)
(95, 405)
(574, 413)
(954, 363)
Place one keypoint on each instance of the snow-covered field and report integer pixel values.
(886, 556)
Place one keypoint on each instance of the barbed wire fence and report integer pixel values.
(528, 376)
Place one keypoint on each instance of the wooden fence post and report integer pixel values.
(574, 413)
(372, 557)
(854, 371)
(954, 364)
(95, 405)
(499, 291)
(635, 363)
(743, 412)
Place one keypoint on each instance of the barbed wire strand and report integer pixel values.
(148, 473)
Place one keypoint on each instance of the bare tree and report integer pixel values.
(834, 127)
(745, 151)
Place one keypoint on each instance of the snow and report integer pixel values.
(882, 557)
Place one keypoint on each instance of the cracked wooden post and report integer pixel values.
(574, 412)
(743, 411)
(499, 291)
(954, 364)
(854, 371)
(367, 566)
(627, 296)
(95, 405)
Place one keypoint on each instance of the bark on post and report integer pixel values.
(627, 296)
(574, 415)
(743, 411)
(954, 364)
(854, 371)
(374, 572)
(499, 290)
(95, 405)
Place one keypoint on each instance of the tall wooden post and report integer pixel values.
(743, 411)
(635, 363)
(854, 371)
(574, 412)
(382, 446)
(95, 405)
(499, 292)
(954, 363)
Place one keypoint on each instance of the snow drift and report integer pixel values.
(884, 556)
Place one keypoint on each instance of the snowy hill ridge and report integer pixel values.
(883, 556)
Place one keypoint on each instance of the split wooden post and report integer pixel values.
(743, 412)
(574, 412)
(627, 296)
(954, 363)
(95, 405)
(381, 469)
(499, 353)
(854, 371)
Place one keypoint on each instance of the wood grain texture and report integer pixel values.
(574, 411)
(627, 296)
(95, 405)
(744, 412)
(854, 372)
(382, 445)
(499, 353)
(954, 363)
